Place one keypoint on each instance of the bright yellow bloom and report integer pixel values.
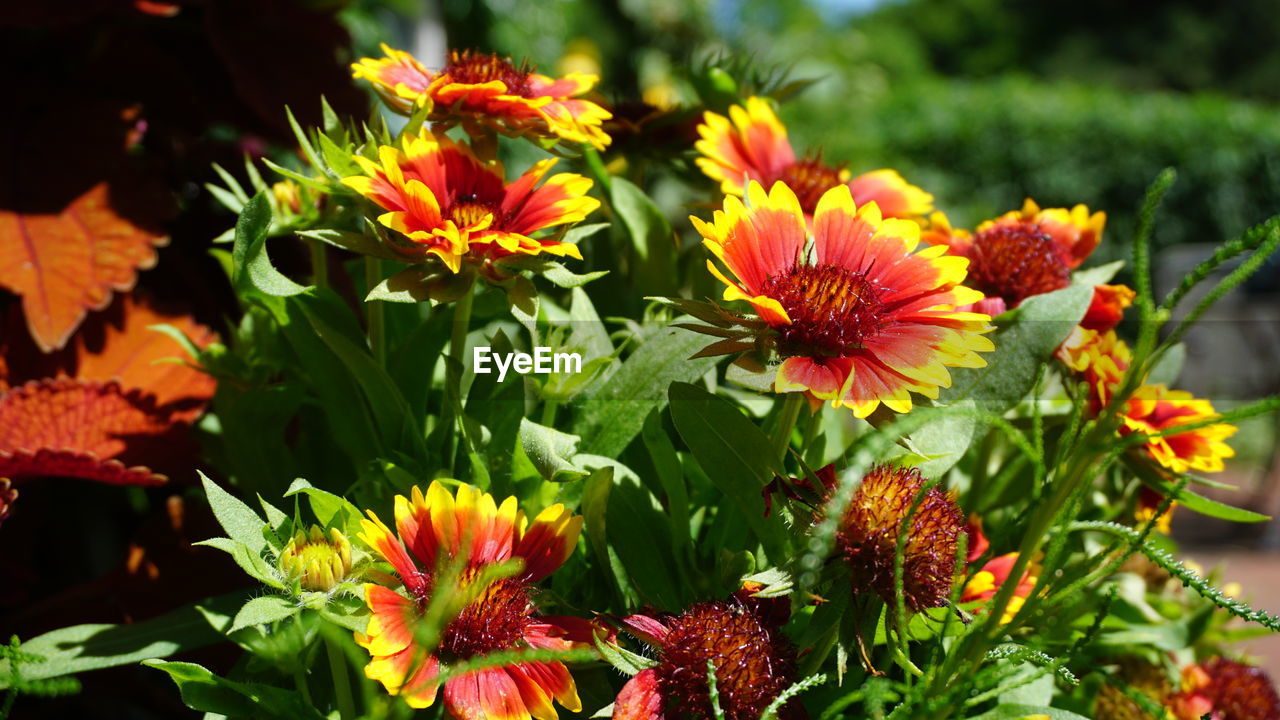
(318, 562)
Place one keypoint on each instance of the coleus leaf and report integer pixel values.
(77, 428)
(67, 263)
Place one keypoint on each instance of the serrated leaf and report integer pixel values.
(248, 560)
(239, 521)
(264, 610)
(622, 659)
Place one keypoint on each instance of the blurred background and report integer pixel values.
(981, 102)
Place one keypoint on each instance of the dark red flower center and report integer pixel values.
(753, 662)
(475, 68)
(496, 620)
(808, 179)
(1016, 261)
(833, 310)
(1240, 691)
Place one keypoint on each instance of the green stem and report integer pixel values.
(595, 167)
(341, 681)
(319, 265)
(377, 324)
(300, 682)
(454, 370)
(786, 422)
(549, 408)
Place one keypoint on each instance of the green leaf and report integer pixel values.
(329, 509)
(635, 527)
(1020, 712)
(203, 691)
(81, 648)
(615, 412)
(251, 263)
(339, 160)
(734, 453)
(551, 451)
(1028, 335)
(240, 522)
(522, 300)
(579, 233)
(1099, 275)
(248, 560)
(361, 243)
(652, 241)
(943, 442)
(622, 659)
(1169, 366)
(326, 313)
(1154, 477)
(263, 610)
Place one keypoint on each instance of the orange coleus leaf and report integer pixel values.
(120, 345)
(67, 263)
(91, 430)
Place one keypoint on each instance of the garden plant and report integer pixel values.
(499, 438)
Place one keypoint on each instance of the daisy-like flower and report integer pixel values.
(751, 144)
(994, 574)
(489, 90)
(1021, 253)
(867, 536)
(1099, 358)
(1223, 689)
(858, 318)
(1154, 408)
(436, 527)
(743, 640)
(447, 202)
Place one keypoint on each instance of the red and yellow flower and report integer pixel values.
(1101, 360)
(489, 90)
(1156, 408)
(751, 144)
(435, 528)
(741, 638)
(1022, 253)
(994, 574)
(861, 318)
(447, 202)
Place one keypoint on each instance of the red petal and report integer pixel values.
(639, 699)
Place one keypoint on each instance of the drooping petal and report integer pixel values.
(488, 694)
(640, 698)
